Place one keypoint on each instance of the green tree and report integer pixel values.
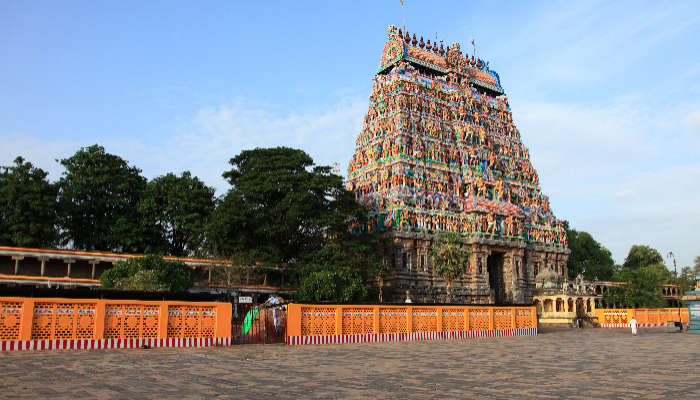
(176, 209)
(641, 256)
(345, 259)
(588, 257)
(149, 273)
(27, 206)
(686, 280)
(450, 257)
(279, 206)
(98, 197)
(696, 265)
(334, 285)
(643, 287)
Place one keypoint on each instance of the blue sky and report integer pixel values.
(606, 94)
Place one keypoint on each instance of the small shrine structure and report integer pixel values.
(439, 151)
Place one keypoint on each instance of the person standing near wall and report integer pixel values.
(633, 325)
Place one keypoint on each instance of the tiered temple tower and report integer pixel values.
(439, 151)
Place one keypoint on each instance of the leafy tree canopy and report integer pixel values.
(696, 265)
(175, 211)
(346, 259)
(686, 280)
(588, 257)
(149, 273)
(642, 288)
(641, 256)
(282, 208)
(98, 197)
(450, 257)
(279, 205)
(334, 285)
(27, 206)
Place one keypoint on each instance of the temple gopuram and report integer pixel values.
(439, 151)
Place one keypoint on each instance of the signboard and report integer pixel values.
(245, 299)
(694, 316)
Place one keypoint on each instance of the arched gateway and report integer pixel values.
(439, 151)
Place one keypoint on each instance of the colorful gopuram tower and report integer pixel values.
(439, 151)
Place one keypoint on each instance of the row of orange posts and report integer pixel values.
(78, 319)
(615, 317)
(314, 320)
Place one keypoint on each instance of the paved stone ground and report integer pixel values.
(572, 364)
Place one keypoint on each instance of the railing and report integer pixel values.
(113, 323)
(618, 318)
(350, 323)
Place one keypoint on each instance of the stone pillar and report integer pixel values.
(561, 266)
(509, 279)
(481, 273)
(17, 259)
(92, 269)
(43, 264)
(69, 264)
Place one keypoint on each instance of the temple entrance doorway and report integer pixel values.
(494, 264)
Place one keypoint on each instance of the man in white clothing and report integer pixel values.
(633, 325)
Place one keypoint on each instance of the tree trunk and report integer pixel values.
(448, 285)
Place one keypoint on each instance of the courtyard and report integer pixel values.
(572, 364)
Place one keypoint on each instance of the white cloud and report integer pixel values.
(622, 170)
(586, 45)
(215, 135)
(219, 133)
(40, 152)
(692, 123)
(615, 170)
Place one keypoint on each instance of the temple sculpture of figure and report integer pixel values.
(439, 151)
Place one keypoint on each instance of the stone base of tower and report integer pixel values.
(500, 271)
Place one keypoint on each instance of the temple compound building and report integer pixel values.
(439, 151)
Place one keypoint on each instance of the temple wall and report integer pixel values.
(413, 271)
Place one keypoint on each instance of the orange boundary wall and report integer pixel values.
(58, 323)
(646, 317)
(321, 324)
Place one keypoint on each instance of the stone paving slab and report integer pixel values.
(571, 364)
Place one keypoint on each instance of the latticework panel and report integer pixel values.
(424, 320)
(358, 320)
(64, 321)
(208, 322)
(502, 318)
(653, 317)
(393, 320)
(616, 317)
(175, 321)
(85, 321)
(452, 320)
(42, 321)
(149, 321)
(479, 319)
(131, 321)
(10, 316)
(113, 321)
(191, 321)
(318, 321)
(523, 319)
